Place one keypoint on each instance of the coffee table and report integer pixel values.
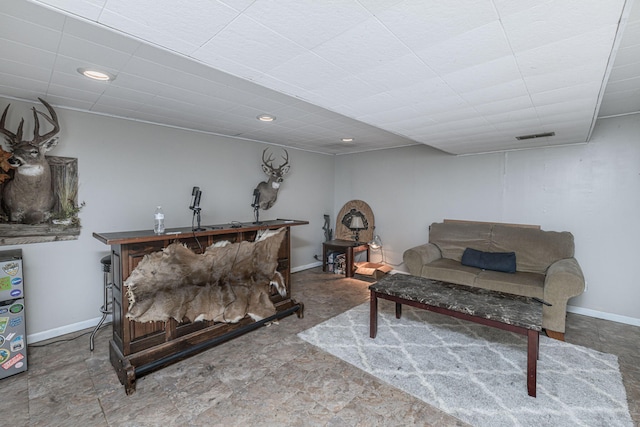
(512, 313)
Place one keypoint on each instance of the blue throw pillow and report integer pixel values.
(496, 261)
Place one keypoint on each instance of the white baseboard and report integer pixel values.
(75, 327)
(306, 267)
(63, 330)
(602, 315)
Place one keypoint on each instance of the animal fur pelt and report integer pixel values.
(225, 283)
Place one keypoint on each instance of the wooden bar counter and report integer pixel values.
(139, 348)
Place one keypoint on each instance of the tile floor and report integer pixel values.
(268, 377)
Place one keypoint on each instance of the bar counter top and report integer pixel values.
(123, 237)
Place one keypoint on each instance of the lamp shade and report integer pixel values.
(356, 223)
(376, 242)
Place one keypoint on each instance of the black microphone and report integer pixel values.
(256, 198)
(195, 198)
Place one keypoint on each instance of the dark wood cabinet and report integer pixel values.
(138, 348)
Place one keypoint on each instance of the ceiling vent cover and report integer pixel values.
(537, 135)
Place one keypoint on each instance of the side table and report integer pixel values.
(348, 247)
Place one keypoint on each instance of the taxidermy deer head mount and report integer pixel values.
(267, 192)
(29, 196)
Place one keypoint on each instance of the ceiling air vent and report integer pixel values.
(537, 135)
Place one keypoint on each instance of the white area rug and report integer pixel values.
(478, 373)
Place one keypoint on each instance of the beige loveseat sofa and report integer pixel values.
(544, 264)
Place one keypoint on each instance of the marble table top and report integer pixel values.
(505, 308)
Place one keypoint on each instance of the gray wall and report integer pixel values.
(592, 190)
(127, 168)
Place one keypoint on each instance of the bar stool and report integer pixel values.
(106, 308)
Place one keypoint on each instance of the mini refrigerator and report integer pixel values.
(13, 338)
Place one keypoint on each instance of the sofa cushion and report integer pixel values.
(535, 249)
(497, 261)
(448, 270)
(519, 283)
(454, 238)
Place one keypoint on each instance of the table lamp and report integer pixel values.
(356, 225)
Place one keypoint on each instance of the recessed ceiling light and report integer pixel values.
(266, 118)
(102, 76)
(537, 135)
(347, 139)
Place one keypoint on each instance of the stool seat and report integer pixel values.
(106, 259)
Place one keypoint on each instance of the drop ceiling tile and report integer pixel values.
(563, 77)
(420, 23)
(22, 82)
(106, 101)
(548, 21)
(344, 90)
(515, 125)
(477, 46)
(490, 73)
(503, 91)
(11, 89)
(625, 72)
(365, 46)
(128, 95)
(307, 71)
(153, 35)
(434, 105)
(587, 91)
(232, 68)
(510, 104)
(154, 71)
(587, 49)
(631, 36)
(191, 21)
(583, 105)
(28, 55)
(32, 14)
(512, 7)
(67, 102)
(624, 85)
(87, 53)
(25, 70)
(308, 22)
(26, 33)
(238, 5)
(66, 91)
(627, 55)
(245, 41)
(89, 9)
(96, 34)
(406, 70)
(616, 104)
(393, 116)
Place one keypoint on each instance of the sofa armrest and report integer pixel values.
(564, 280)
(415, 258)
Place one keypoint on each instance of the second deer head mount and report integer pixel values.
(266, 193)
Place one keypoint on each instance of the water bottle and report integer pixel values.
(158, 226)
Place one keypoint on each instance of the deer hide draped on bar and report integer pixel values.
(225, 283)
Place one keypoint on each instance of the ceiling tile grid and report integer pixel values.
(465, 76)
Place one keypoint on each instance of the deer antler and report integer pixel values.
(285, 158)
(40, 139)
(268, 162)
(12, 138)
(15, 138)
